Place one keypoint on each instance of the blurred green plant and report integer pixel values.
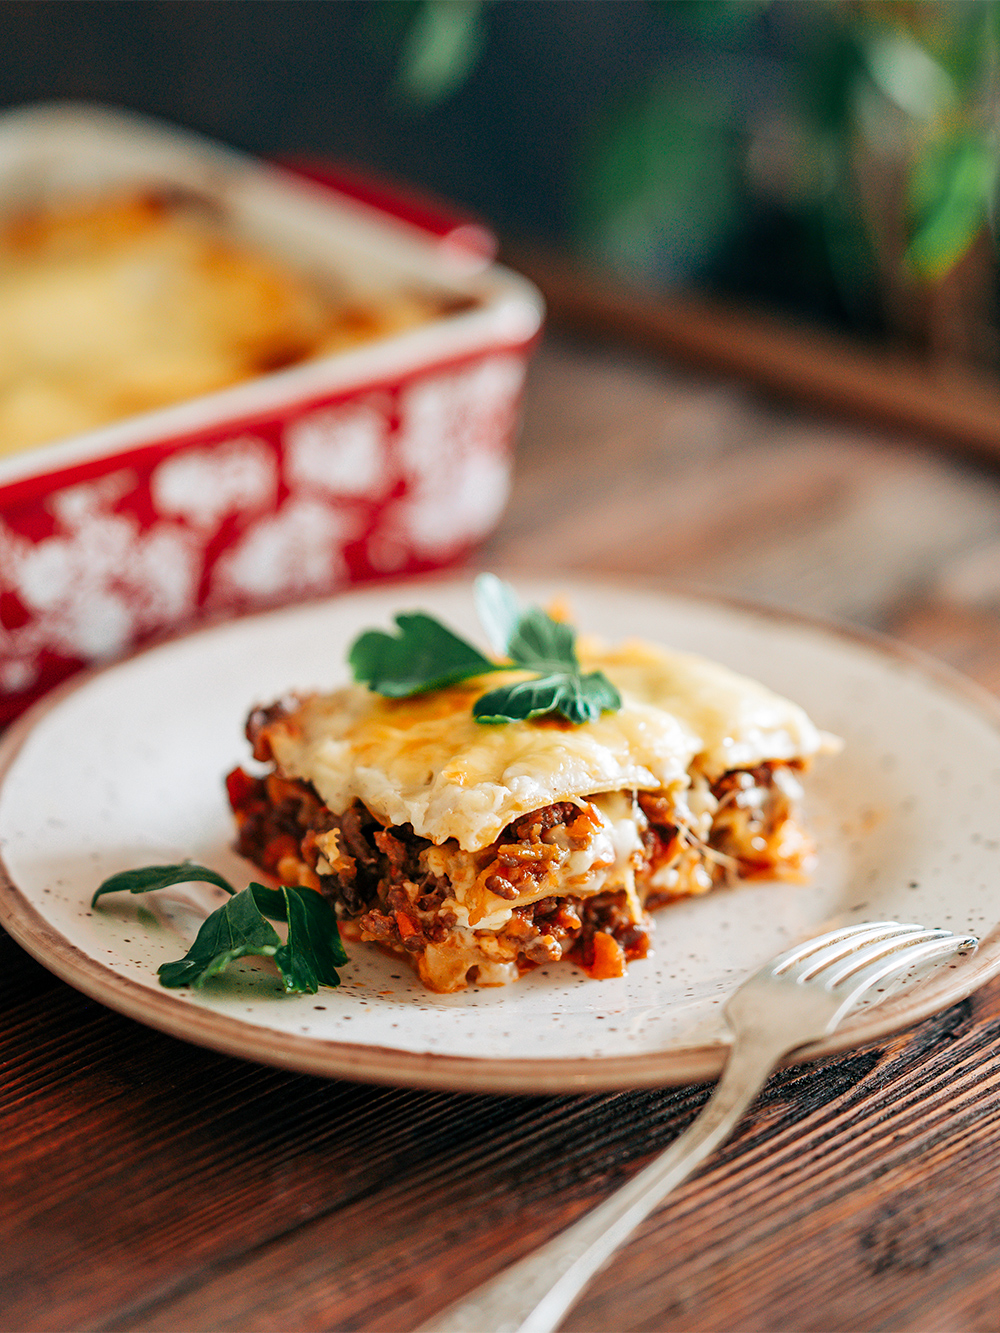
(439, 44)
(871, 123)
(937, 65)
(885, 103)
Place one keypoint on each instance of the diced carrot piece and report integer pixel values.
(609, 957)
(405, 925)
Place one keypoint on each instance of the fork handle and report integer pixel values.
(533, 1295)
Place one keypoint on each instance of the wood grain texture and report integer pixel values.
(151, 1186)
(627, 468)
(893, 388)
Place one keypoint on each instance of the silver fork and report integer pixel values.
(797, 998)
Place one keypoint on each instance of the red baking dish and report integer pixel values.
(388, 458)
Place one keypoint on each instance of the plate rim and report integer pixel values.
(366, 1062)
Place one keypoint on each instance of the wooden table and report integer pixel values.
(149, 1185)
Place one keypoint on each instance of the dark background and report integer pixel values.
(715, 144)
(510, 140)
(319, 76)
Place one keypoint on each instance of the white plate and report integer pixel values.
(125, 768)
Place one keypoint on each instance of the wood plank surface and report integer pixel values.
(150, 1185)
(893, 387)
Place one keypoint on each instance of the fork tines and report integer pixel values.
(862, 944)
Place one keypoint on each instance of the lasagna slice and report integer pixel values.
(480, 852)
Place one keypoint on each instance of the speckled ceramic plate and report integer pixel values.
(125, 768)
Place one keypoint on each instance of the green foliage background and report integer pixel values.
(877, 136)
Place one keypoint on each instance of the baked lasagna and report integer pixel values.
(481, 852)
(113, 306)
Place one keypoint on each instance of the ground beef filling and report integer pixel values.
(378, 878)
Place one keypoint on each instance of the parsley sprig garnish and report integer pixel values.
(425, 655)
(307, 959)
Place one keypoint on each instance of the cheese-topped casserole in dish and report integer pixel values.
(481, 851)
(116, 305)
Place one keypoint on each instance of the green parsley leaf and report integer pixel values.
(529, 637)
(147, 878)
(499, 611)
(577, 698)
(425, 655)
(542, 643)
(233, 930)
(308, 959)
(428, 656)
(313, 952)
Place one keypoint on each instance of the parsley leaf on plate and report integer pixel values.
(147, 878)
(233, 930)
(313, 952)
(308, 958)
(426, 655)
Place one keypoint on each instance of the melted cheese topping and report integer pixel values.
(118, 306)
(425, 761)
